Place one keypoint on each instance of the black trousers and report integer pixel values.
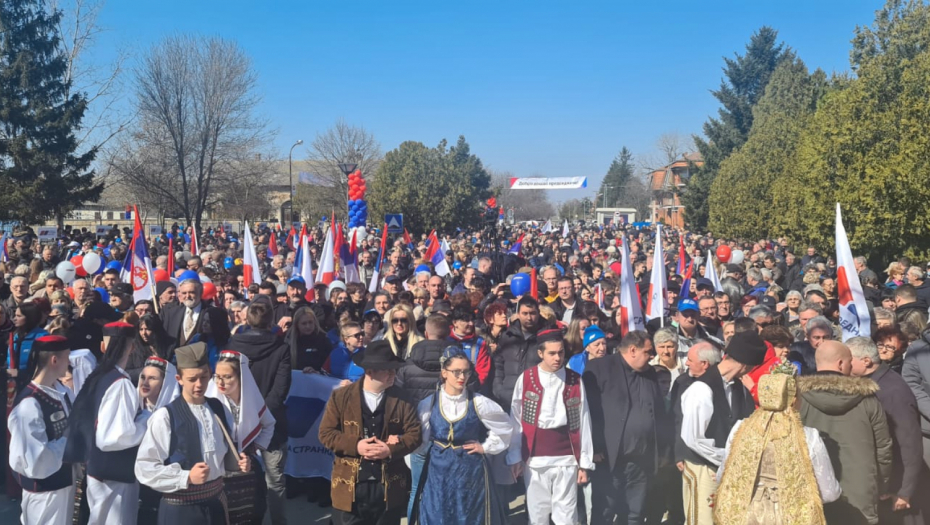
(369, 507)
(621, 493)
(212, 512)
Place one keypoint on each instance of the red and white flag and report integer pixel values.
(251, 271)
(710, 271)
(656, 302)
(195, 248)
(326, 272)
(631, 311)
(854, 313)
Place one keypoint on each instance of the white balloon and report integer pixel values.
(361, 233)
(65, 271)
(92, 263)
(205, 279)
(737, 256)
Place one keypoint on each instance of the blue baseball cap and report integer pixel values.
(688, 304)
(456, 265)
(297, 281)
(592, 334)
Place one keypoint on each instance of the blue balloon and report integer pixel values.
(104, 295)
(422, 268)
(114, 265)
(228, 263)
(520, 284)
(188, 274)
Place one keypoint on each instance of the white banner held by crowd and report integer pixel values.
(306, 401)
(854, 313)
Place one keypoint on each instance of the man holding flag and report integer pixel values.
(137, 267)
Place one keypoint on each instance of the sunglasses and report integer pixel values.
(356, 336)
(399, 321)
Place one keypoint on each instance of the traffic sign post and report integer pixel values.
(395, 222)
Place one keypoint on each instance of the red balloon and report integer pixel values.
(161, 275)
(209, 291)
(723, 253)
(492, 202)
(79, 270)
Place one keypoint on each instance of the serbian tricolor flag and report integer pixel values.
(272, 245)
(680, 269)
(686, 283)
(376, 276)
(854, 313)
(599, 296)
(710, 271)
(349, 259)
(251, 271)
(140, 266)
(326, 273)
(436, 256)
(656, 303)
(339, 243)
(631, 312)
(298, 243)
(292, 241)
(194, 245)
(4, 256)
(408, 241)
(305, 268)
(517, 246)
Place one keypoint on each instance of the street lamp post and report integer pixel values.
(290, 173)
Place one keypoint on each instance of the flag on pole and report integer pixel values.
(517, 246)
(409, 242)
(565, 228)
(171, 257)
(339, 242)
(140, 269)
(680, 269)
(534, 286)
(631, 312)
(710, 271)
(4, 256)
(656, 304)
(251, 271)
(326, 272)
(194, 244)
(292, 241)
(599, 296)
(686, 283)
(349, 259)
(547, 227)
(376, 275)
(436, 256)
(272, 245)
(305, 269)
(854, 313)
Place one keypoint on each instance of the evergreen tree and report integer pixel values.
(441, 187)
(41, 174)
(618, 177)
(745, 78)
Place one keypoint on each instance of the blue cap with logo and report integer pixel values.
(592, 334)
(688, 304)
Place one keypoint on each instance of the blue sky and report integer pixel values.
(537, 88)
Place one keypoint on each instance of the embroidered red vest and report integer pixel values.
(562, 441)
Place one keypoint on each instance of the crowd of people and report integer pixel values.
(739, 405)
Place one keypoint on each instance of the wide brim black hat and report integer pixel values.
(377, 356)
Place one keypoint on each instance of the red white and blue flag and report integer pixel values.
(139, 270)
(680, 269)
(4, 256)
(686, 283)
(272, 245)
(376, 276)
(517, 246)
(854, 313)
(436, 256)
(409, 242)
(326, 273)
(631, 311)
(348, 259)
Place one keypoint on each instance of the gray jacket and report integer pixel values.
(916, 373)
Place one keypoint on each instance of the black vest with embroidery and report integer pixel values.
(56, 422)
(185, 448)
(110, 466)
(724, 417)
(372, 426)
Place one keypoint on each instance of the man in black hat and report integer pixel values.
(166, 293)
(710, 407)
(393, 285)
(176, 460)
(370, 427)
(37, 426)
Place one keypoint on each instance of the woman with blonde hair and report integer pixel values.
(401, 330)
(895, 273)
(574, 337)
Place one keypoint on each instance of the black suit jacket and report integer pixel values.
(173, 321)
(607, 388)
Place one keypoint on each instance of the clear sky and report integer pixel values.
(537, 88)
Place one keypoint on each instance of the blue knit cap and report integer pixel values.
(591, 334)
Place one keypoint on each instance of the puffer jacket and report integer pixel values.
(515, 353)
(420, 374)
(852, 424)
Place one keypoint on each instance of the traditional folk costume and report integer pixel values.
(179, 436)
(37, 427)
(775, 470)
(710, 407)
(552, 436)
(107, 429)
(170, 390)
(252, 426)
(449, 422)
(364, 491)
